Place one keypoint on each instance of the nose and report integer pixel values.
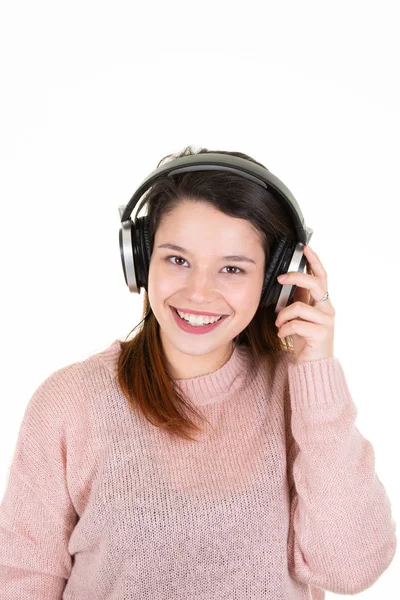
(199, 287)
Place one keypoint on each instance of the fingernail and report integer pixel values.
(282, 277)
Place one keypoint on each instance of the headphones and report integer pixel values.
(286, 255)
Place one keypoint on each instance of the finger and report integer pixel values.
(315, 262)
(302, 311)
(316, 285)
(304, 329)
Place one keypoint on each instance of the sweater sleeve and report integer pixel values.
(36, 513)
(341, 533)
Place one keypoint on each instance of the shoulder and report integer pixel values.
(66, 390)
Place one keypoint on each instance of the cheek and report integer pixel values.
(246, 297)
(160, 287)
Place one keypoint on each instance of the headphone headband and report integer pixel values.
(223, 162)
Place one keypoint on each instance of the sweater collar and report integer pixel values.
(204, 389)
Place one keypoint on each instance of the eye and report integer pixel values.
(229, 267)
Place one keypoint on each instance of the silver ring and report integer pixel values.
(326, 296)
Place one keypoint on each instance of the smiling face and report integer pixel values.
(203, 280)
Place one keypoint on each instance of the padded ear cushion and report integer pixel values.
(145, 248)
(141, 251)
(147, 243)
(278, 262)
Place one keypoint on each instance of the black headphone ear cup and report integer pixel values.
(279, 261)
(142, 251)
(147, 242)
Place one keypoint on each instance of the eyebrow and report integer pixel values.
(233, 257)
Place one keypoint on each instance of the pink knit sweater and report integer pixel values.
(279, 499)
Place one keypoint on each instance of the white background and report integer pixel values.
(94, 94)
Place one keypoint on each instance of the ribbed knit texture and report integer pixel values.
(279, 500)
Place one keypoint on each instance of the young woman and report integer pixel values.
(201, 459)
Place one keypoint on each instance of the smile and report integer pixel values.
(195, 327)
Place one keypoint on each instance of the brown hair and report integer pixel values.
(142, 371)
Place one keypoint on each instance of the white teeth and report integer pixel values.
(197, 319)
